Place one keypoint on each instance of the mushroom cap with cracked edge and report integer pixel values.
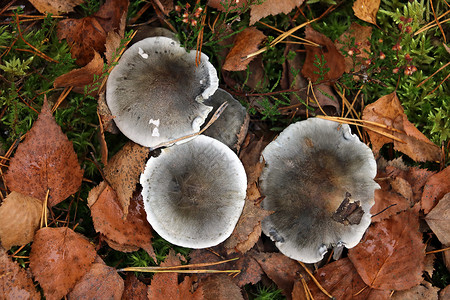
(194, 192)
(309, 169)
(156, 91)
(232, 123)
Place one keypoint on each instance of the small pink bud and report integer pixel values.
(177, 8)
(382, 55)
(408, 57)
(194, 22)
(350, 52)
(395, 70)
(408, 29)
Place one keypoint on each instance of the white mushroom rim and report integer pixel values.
(319, 181)
(157, 79)
(194, 192)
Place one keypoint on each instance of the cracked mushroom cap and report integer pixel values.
(231, 127)
(194, 192)
(319, 181)
(156, 91)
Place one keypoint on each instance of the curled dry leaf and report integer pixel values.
(113, 40)
(59, 258)
(326, 52)
(79, 78)
(272, 7)
(248, 229)
(388, 111)
(100, 282)
(15, 282)
(245, 43)
(391, 255)
(436, 187)
(165, 285)
(107, 214)
(439, 220)
(123, 170)
(88, 34)
(134, 289)
(366, 10)
(45, 161)
(19, 219)
(341, 280)
(55, 7)
(359, 36)
(220, 287)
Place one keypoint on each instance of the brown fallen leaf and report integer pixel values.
(106, 212)
(444, 294)
(248, 229)
(250, 156)
(284, 277)
(388, 111)
(59, 258)
(220, 287)
(358, 35)
(79, 78)
(134, 289)
(391, 254)
(250, 270)
(45, 161)
(19, 219)
(246, 42)
(100, 282)
(123, 170)
(327, 53)
(165, 285)
(425, 290)
(341, 280)
(439, 220)
(366, 10)
(217, 4)
(113, 40)
(15, 282)
(88, 34)
(436, 187)
(55, 7)
(272, 7)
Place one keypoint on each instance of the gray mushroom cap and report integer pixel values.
(156, 91)
(194, 192)
(231, 127)
(311, 168)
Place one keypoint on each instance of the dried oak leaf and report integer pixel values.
(326, 52)
(79, 78)
(436, 187)
(439, 219)
(55, 7)
(107, 214)
(359, 36)
(272, 7)
(88, 34)
(165, 285)
(425, 290)
(134, 289)
(220, 287)
(100, 282)
(250, 270)
(342, 281)
(59, 258)
(391, 255)
(217, 4)
(45, 161)
(15, 282)
(388, 111)
(123, 170)
(284, 277)
(19, 219)
(245, 43)
(248, 229)
(366, 10)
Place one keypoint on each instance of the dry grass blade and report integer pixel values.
(61, 98)
(368, 125)
(315, 280)
(294, 36)
(438, 251)
(425, 80)
(216, 115)
(432, 23)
